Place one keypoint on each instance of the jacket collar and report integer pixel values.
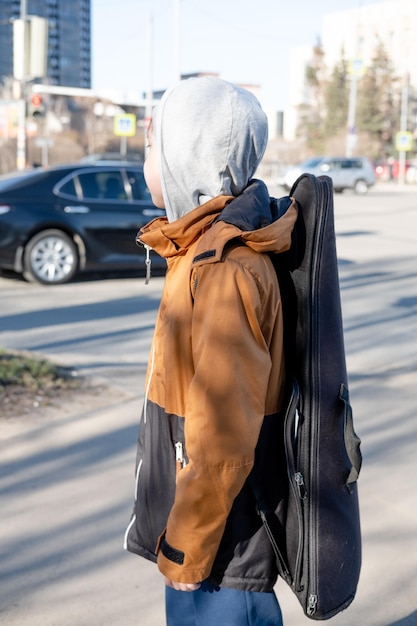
(260, 222)
(173, 238)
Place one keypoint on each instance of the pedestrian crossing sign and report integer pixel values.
(404, 141)
(125, 125)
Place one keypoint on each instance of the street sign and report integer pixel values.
(356, 67)
(403, 141)
(30, 47)
(125, 125)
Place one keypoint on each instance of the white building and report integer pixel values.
(356, 33)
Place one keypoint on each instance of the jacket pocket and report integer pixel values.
(352, 441)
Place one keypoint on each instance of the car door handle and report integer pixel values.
(79, 208)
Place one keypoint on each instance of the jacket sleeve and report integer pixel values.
(234, 316)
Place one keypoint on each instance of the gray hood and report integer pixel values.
(211, 136)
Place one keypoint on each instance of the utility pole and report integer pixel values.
(149, 85)
(177, 41)
(351, 124)
(404, 134)
(356, 70)
(149, 49)
(21, 129)
(403, 131)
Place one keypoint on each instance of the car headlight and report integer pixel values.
(4, 209)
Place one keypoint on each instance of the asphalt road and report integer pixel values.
(102, 326)
(66, 483)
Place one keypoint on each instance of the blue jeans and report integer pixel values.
(215, 606)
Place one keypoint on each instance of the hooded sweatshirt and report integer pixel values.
(215, 379)
(222, 127)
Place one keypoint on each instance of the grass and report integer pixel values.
(28, 381)
(30, 372)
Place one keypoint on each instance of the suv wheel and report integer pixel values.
(361, 187)
(50, 258)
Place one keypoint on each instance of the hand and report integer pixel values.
(181, 586)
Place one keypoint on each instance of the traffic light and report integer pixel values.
(36, 106)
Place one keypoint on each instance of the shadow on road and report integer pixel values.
(410, 620)
(91, 276)
(65, 502)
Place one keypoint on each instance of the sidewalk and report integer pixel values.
(67, 480)
(66, 488)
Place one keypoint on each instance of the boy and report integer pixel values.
(215, 381)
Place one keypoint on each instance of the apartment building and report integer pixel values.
(69, 39)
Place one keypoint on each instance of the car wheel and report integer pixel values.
(50, 258)
(361, 187)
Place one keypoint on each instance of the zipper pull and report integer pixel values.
(302, 489)
(148, 263)
(179, 456)
(312, 604)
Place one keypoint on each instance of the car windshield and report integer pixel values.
(313, 162)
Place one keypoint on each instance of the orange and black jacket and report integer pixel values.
(214, 393)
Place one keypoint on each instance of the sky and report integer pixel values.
(134, 42)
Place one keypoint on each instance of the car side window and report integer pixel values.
(327, 166)
(90, 185)
(104, 185)
(114, 188)
(138, 185)
(69, 188)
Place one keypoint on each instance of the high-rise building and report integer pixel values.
(69, 39)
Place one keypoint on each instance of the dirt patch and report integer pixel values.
(30, 386)
(19, 401)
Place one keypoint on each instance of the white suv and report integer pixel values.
(355, 173)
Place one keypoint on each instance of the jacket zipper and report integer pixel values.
(148, 263)
(145, 403)
(133, 520)
(180, 460)
(145, 416)
(179, 457)
(283, 569)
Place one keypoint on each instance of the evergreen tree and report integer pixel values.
(336, 98)
(323, 115)
(312, 112)
(378, 102)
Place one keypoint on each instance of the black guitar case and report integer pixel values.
(318, 546)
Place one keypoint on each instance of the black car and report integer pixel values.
(55, 222)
